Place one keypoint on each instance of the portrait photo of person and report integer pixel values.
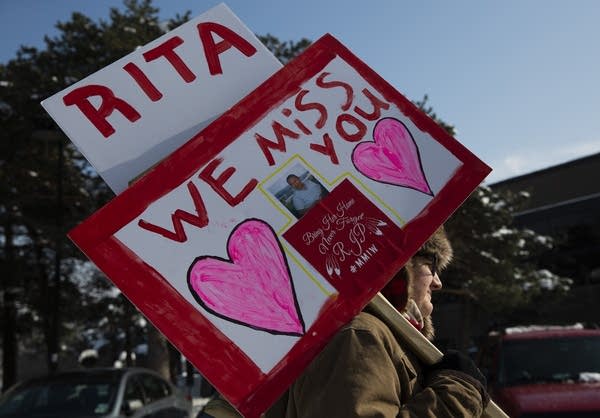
(298, 190)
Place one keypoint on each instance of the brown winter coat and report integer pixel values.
(365, 372)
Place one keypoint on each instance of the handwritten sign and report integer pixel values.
(252, 244)
(133, 113)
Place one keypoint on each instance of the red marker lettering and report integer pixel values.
(331, 84)
(167, 50)
(140, 78)
(303, 107)
(361, 128)
(218, 183)
(326, 149)
(212, 50)
(199, 220)
(266, 145)
(302, 127)
(287, 113)
(109, 102)
(377, 103)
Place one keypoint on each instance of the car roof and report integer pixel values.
(114, 374)
(551, 333)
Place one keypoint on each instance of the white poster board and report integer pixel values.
(133, 113)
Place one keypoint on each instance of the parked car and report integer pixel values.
(537, 372)
(97, 393)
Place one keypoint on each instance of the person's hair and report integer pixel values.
(287, 179)
(437, 248)
(436, 251)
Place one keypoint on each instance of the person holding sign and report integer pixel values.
(367, 371)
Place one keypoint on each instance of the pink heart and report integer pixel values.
(392, 158)
(253, 288)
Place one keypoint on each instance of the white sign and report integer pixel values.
(133, 113)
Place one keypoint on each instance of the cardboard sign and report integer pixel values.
(133, 113)
(252, 244)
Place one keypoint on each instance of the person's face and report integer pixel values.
(423, 282)
(296, 183)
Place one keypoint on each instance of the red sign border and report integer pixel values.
(219, 360)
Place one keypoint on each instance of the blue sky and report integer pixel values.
(520, 79)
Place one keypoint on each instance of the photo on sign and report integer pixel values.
(297, 189)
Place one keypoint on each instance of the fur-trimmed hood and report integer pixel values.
(436, 250)
(436, 246)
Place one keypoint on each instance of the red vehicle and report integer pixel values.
(539, 372)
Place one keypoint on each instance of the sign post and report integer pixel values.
(254, 242)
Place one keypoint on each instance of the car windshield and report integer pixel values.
(83, 397)
(548, 360)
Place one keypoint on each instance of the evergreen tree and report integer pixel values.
(47, 187)
(496, 262)
(284, 51)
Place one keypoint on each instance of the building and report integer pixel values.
(565, 204)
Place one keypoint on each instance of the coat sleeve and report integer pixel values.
(448, 393)
(356, 376)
